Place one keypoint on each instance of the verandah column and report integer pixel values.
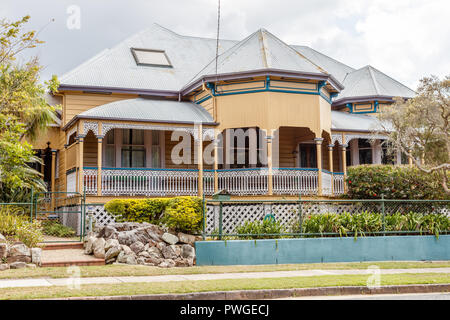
(216, 161)
(99, 159)
(53, 171)
(269, 163)
(200, 158)
(330, 162)
(319, 164)
(344, 164)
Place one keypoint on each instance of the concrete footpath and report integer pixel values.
(48, 282)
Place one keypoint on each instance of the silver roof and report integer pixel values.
(369, 81)
(117, 68)
(261, 50)
(356, 122)
(151, 110)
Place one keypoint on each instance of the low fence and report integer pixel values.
(223, 218)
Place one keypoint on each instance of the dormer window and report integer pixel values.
(151, 58)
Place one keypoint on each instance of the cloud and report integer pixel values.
(407, 39)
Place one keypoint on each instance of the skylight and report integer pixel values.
(150, 57)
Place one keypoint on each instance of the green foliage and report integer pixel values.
(184, 214)
(369, 223)
(24, 112)
(394, 182)
(180, 213)
(56, 229)
(145, 210)
(18, 228)
(260, 229)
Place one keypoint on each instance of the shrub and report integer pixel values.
(393, 182)
(18, 228)
(56, 229)
(184, 214)
(260, 229)
(145, 210)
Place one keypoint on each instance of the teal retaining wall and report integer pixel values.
(310, 250)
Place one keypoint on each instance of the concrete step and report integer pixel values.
(62, 246)
(69, 257)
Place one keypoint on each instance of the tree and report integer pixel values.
(23, 110)
(420, 127)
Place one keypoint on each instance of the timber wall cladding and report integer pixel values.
(78, 103)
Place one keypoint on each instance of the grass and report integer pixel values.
(130, 270)
(218, 285)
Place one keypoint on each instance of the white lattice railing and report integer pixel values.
(338, 183)
(208, 182)
(90, 180)
(295, 181)
(327, 182)
(253, 181)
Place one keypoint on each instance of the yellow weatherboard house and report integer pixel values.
(158, 115)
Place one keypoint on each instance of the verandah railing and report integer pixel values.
(248, 181)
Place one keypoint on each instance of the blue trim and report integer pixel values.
(142, 169)
(241, 169)
(374, 105)
(297, 169)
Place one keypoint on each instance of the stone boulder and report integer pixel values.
(18, 265)
(2, 239)
(3, 250)
(111, 243)
(108, 232)
(171, 252)
(19, 249)
(112, 253)
(170, 238)
(89, 245)
(99, 248)
(36, 256)
(187, 251)
(4, 266)
(137, 247)
(186, 238)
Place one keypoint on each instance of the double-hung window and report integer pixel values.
(133, 149)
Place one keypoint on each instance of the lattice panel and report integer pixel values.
(101, 216)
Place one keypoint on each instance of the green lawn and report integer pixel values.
(217, 285)
(129, 270)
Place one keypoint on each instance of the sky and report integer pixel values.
(406, 39)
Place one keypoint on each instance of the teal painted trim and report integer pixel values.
(143, 169)
(203, 100)
(325, 97)
(317, 250)
(297, 169)
(241, 169)
(375, 108)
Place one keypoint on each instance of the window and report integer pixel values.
(152, 58)
(365, 151)
(243, 155)
(110, 155)
(156, 150)
(133, 150)
(308, 155)
(72, 138)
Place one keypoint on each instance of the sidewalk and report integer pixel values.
(48, 282)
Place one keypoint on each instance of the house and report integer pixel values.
(158, 115)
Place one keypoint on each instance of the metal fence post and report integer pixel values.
(384, 213)
(31, 205)
(300, 213)
(220, 220)
(204, 218)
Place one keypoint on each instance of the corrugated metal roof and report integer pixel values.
(369, 81)
(332, 66)
(142, 109)
(261, 50)
(117, 67)
(355, 122)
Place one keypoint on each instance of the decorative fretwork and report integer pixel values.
(90, 126)
(244, 181)
(348, 137)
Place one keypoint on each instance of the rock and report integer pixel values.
(187, 251)
(2, 239)
(127, 237)
(31, 266)
(170, 238)
(3, 250)
(154, 252)
(161, 245)
(122, 257)
(99, 248)
(108, 232)
(18, 265)
(168, 263)
(144, 254)
(36, 256)
(126, 249)
(171, 252)
(154, 261)
(130, 259)
(140, 260)
(111, 243)
(24, 259)
(183, 262)
(154, 233)
(89, 245)
(186, 238)
(113, 252)
(137, 247)
(19, 250)
(4, 266)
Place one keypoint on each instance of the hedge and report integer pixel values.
(180, 213)
(393, 182)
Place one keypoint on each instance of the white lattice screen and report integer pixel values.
(100, 215)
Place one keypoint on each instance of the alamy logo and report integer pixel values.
(74, 18)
